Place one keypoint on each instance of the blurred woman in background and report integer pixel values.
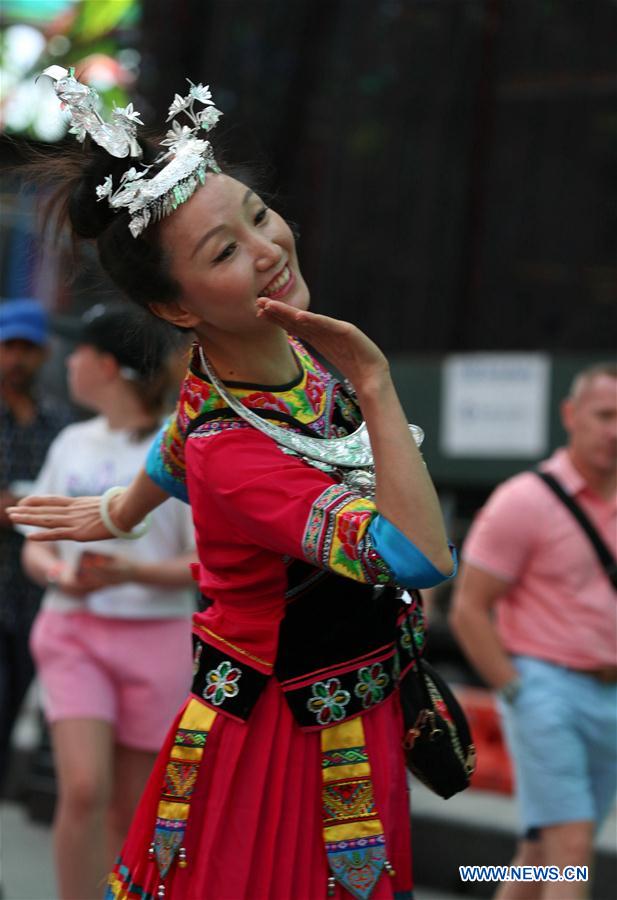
(112, 640)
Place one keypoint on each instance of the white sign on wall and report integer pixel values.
(495, 405)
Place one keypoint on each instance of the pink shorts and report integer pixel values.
(132, 673)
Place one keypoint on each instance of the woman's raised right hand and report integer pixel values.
(344, 345)
(61, 518)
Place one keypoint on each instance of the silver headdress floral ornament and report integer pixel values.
(188, 157)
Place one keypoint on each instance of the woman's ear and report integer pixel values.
(109, 365)
(171, 311)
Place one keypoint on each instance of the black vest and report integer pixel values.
(343, 647)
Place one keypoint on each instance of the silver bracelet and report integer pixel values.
(132, 535)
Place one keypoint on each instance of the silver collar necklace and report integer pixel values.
(350, 456)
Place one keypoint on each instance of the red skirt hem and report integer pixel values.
(255, 825)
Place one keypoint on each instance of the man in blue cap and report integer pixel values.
(28, 424)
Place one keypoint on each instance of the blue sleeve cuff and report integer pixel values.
(410, 566)
(156, 471)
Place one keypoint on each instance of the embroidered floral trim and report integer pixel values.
(316, 400)
(229, 684)
(353, 833)
(181, 772)
(363, 687)
(221, 683)
(209, 429)
(350, 799)
(412, 629)
(406, 637)
(328, 701)
(371, 683)
(343, 756)
(186, 737)
(336, 536)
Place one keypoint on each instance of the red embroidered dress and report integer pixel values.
(283, 775)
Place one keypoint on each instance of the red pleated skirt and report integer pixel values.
(255, 826)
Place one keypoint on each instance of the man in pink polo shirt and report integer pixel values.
(536, 614)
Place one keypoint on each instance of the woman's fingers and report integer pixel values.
(45, 500)
(341, 343)
(78, 532)
(63, 518)
(49, 510)
(45, 516)
(311, 326)
(300, 318)
(54, 534)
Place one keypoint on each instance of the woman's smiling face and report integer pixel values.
(226, 249)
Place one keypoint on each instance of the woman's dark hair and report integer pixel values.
(137, 266)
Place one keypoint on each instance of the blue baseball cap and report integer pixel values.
(24, 320)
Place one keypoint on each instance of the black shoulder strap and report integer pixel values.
(607, 560)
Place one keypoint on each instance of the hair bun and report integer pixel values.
(88, 215)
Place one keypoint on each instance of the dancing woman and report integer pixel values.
(283, 775)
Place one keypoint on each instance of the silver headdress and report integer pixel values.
(187, 156)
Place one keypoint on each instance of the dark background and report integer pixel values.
(451, 163)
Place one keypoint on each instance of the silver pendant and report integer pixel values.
(352, 452)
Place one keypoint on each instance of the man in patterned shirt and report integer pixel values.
(28, 424)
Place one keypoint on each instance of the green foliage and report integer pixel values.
(98, 17)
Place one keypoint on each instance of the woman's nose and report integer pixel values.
(267, 254)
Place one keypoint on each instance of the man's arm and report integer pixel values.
(471, 620)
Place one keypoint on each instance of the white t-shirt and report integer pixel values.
(86, 459)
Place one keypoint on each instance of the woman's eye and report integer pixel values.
(225, 253)
(261, 215)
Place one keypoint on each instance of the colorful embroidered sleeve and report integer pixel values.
(337, 536)
(165, 461)
(341, 520)
(280, 503)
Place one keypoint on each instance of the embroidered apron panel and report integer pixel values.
(354, 837)
(225, 681)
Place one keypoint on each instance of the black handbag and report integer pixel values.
(437, 739)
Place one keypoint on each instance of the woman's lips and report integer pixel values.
(279, 286)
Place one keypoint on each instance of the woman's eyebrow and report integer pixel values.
(202, 240)
(205, 237)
